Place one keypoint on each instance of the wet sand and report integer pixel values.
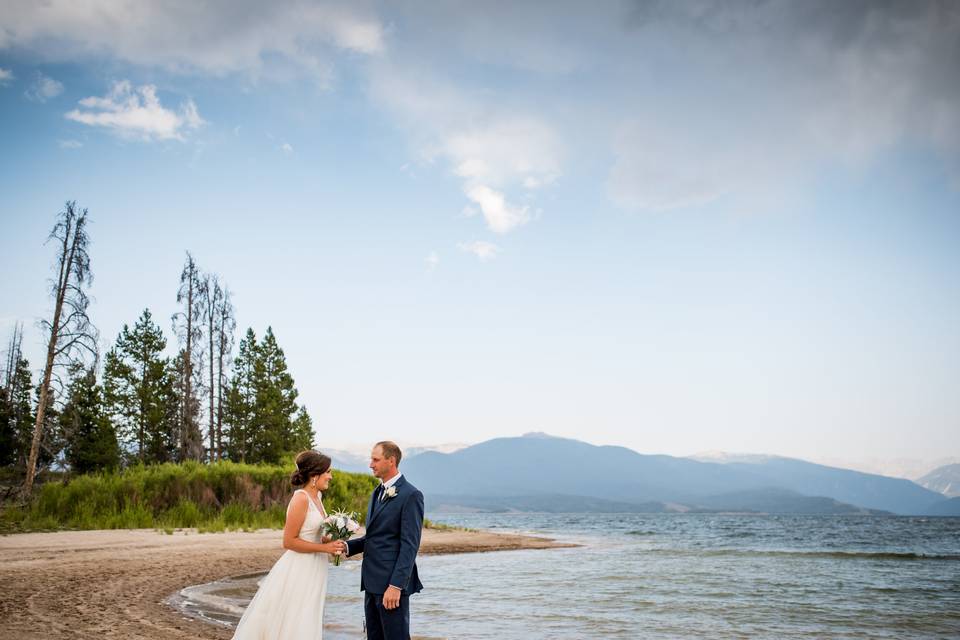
(100, 585)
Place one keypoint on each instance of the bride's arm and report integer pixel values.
(296, 513)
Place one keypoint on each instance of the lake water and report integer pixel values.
(669, 576)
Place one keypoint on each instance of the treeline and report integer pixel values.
(136, 405)
(210, 497)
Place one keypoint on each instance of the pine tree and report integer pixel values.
(262, 419)
(21, 415)
(91, 442)
(52, 441)
(275, 402)
(241, 397)
(140, 391)
(8, 440)
(301, 436)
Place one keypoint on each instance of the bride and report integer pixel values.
(289, 603)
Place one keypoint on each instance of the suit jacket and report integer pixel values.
(391, 541)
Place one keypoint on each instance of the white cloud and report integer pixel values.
(500, 215)
(6, 77)
(508, 150)
(432, 260)
(217, 37)
(357, 33)
(286, 147)
(682, 102)
(70, 144)
(136, 113)
(483, 250)
(492, 148)
(43, 88)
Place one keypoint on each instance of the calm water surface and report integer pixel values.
(669, 576)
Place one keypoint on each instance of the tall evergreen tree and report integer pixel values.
(140, 392)
(241, 398)
(11, 447)
(52, 440)
(8, 439)
(275, 402)
(91, 442)
(263, 421)
(301, 434)
(21, 414)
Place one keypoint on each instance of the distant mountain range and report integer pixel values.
(358, 459)
(758, 501)
(944, 480)
(538, 472)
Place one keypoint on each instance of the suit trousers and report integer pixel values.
(384, 624)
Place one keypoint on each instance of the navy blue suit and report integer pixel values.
(389, 549)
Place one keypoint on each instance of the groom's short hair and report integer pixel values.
(390, 450)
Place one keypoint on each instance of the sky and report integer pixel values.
(673, 226)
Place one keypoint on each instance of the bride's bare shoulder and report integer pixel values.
(298, 498)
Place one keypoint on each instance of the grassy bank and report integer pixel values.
(210, 497)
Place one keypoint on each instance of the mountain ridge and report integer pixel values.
(539, 464)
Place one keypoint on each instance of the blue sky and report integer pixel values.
(677, 226)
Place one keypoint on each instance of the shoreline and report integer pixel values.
(115, 583)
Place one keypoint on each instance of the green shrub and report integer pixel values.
(210, 497)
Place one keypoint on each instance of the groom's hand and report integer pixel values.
(391, 599)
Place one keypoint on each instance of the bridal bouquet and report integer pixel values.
(340, 525)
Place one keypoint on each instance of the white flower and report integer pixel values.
(353, 527)
(341, 523)
(391, 492)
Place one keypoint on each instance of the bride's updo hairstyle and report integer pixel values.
(309, 464)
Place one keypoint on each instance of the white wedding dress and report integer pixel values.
(289, 603)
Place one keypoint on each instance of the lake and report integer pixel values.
(668, 576)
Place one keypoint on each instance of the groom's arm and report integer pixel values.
(355, 546)
(411, 526)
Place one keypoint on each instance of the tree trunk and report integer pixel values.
(143, 408)
(213, 450)
(220, 399)
(66, 265)
(188, 372)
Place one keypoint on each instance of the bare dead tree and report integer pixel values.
(226, 326)
(71, 333)
(186, 325)
(14, 353)
(211, 297)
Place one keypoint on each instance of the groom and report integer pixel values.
(388, 575)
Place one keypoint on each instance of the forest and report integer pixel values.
(146, 437)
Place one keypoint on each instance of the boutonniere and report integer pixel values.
(391, 492)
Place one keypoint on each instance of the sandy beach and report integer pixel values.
(112, 584)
